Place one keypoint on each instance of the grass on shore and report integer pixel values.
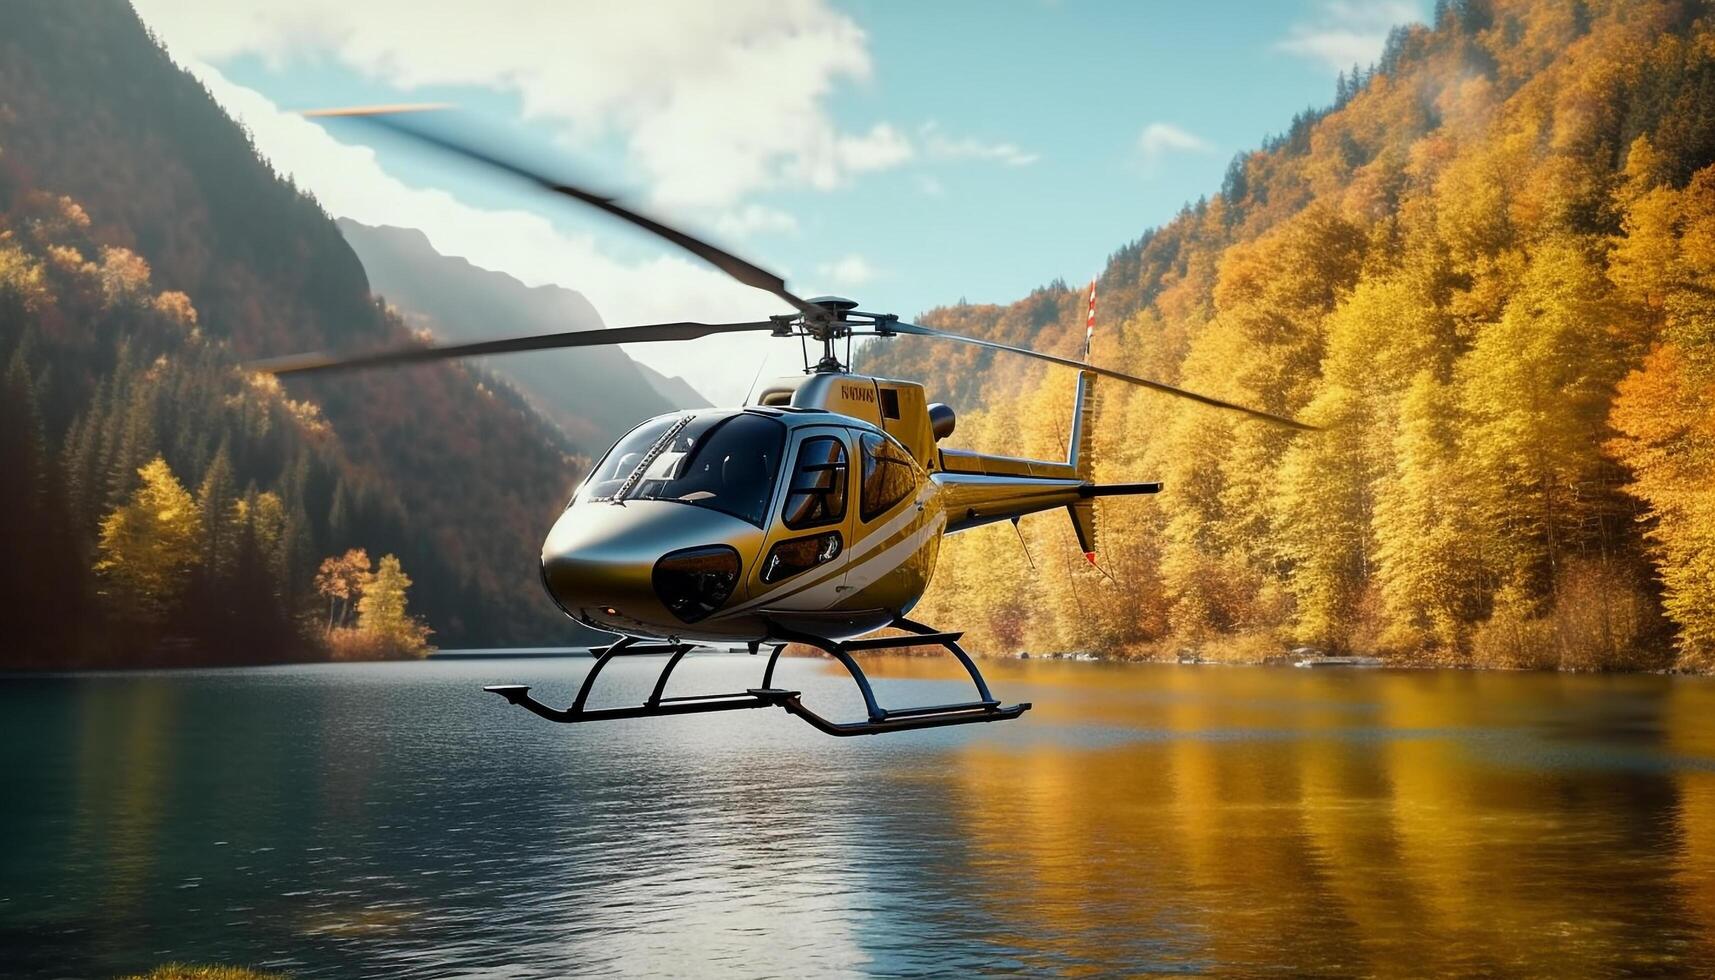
(203, 971)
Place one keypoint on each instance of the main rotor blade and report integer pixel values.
(645, 334)
(745, 272)
(922, 331)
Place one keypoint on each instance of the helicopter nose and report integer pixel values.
(600, 579)
(600, 563)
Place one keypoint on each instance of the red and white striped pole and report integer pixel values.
(1090, 322)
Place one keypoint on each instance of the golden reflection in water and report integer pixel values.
(1374, 823)
(1431, 818)
(1691, 734)
(122, 774)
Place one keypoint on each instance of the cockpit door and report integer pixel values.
(804, 557)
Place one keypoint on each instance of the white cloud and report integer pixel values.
(349, 181)
(828, 160)
(879, 149)
(849, 270)
(938, 145)
(752, 218)
(1158, 139)
(712, 100)
(929, 186)
(1347, 33)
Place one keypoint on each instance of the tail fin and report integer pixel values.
(1082, 458)
(1080, 455)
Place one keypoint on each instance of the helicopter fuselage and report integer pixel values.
(733, 525)
(842, 572)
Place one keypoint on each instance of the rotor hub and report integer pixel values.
(831, 319)
(838, 304)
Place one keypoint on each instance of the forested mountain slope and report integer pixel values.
(144, 250)
(594, 394)
(1489, 270)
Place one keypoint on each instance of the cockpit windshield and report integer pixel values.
(724, 462)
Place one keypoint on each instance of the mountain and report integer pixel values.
(145, 251)
(1488, 270)
(676, 390)
(594, 394)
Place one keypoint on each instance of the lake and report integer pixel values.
(394, 820)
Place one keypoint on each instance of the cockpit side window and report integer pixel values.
(817, 496)
(889, 475)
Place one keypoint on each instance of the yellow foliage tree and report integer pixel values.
(149, 544)
(343, 580)
(1326, 497)
(124, 276)
(1536, 388)
(1429, 553)
(1667, 415)
(176, 306)
(21, 278)
(382, 611)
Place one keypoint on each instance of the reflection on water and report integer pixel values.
(393, 819)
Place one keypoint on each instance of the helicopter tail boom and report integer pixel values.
(981, 489)
(975, 499)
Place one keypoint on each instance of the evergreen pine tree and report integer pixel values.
(217, 500)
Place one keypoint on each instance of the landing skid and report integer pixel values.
(985, 709)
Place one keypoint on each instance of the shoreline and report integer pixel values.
(477, 654)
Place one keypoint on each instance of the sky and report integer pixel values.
(908, 155)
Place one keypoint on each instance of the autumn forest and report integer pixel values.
(1488, 271)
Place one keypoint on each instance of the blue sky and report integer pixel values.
(906, 154)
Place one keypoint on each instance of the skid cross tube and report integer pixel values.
(773, 658)
(925, 633)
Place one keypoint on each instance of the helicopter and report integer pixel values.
(811, 515)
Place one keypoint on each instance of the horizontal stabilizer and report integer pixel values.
(1083, 511)
(1117, 489)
